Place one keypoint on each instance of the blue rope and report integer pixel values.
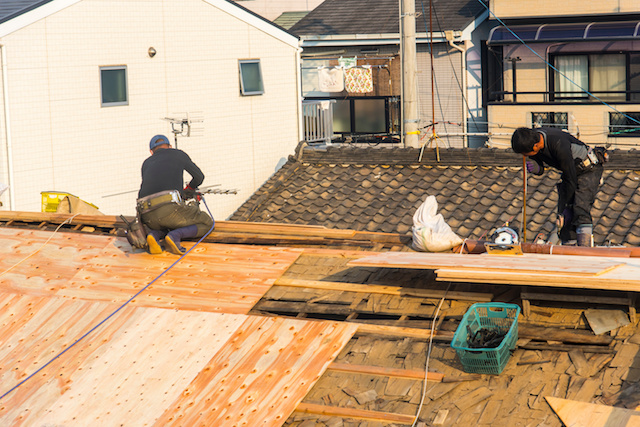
(554, 68)
(116, 311)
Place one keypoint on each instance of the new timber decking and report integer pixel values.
(181, 353)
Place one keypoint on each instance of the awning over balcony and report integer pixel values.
(586, 31)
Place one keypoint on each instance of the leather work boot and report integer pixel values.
(152, 241)
(175, 236)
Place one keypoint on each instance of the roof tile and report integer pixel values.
(473, 198)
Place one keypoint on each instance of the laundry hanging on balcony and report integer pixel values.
(358, 79)
(331, 79)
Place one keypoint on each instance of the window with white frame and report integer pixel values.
(250, 77)
(113, 86)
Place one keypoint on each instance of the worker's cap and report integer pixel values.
(158, 140)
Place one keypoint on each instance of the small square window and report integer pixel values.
(624, 124)
(551, 119)
(250, 77)
(113, 86)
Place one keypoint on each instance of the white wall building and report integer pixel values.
(68, 123)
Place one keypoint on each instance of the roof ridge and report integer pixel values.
(618, 159)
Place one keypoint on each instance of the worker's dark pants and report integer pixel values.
(177, 215)
(585, 195)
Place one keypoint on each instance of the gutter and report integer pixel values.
(299, 93)
(7, 126)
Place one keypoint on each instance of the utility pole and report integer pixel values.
(409, 112)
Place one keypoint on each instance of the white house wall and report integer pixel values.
(63, 140)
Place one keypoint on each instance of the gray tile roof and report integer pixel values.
(477, 190)
(9, 9)
(288, 19)
(382, 17)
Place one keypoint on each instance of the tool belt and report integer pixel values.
(154, 201)
(595, 156)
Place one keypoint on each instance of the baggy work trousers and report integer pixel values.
(582, 201)
(177, 215)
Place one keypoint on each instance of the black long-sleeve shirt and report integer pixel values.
(560, 151)
(163, 171)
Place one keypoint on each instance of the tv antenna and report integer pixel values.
(179, 126)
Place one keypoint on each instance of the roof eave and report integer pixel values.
(34, 15)
(256, 21)
(370, 39)
(469, 29)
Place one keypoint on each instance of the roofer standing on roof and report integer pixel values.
(581, 169)
(161, 199)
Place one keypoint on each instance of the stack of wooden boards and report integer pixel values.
(586, 272)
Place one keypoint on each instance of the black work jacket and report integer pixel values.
(163, 171)
(561, 149)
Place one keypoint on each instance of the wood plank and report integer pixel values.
(473, 398)
(623, 278)
(539, 296)
(334, 411)
(573, 413)
(260, 229)
(384, 371)
(568, 347)
(386, 290)
(526, 263)
(385, 330)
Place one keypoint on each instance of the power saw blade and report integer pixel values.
(503, 249)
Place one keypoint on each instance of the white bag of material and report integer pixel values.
(430, 232)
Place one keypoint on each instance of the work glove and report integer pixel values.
(564, 218)
(533, 167)
(189, 192)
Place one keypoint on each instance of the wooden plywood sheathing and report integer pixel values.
(157, 366)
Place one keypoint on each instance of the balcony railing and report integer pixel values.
(317, 116)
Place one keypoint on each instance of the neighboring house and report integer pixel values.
(87, 83)
(273, 9)
(576, 66)
(365, 33)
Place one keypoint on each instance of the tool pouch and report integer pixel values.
(135, 233)
(602, 154)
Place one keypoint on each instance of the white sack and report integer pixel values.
(430, 232)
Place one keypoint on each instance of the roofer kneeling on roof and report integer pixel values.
(162, 200)
(581, 169)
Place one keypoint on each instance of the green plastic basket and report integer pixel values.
(492, 316)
